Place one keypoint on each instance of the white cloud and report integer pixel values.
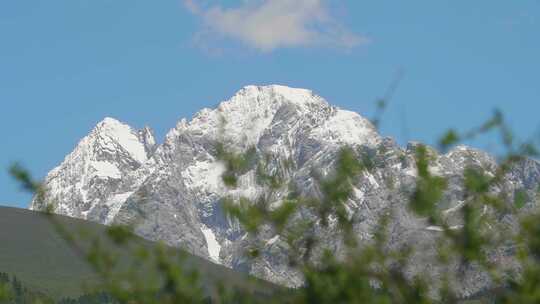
(267, 25)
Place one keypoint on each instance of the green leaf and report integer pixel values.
(476, 181)
(119, 234)
(520, 198)
(281, 215)
(450, 138)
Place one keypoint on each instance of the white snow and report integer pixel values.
(148, 136)
(458, 149)
(95, 155)
(114, 204)
(125, 136)
(204, 175)
(440, 229)
(484, 210)
(105, 169)
(213, 246)
(247, 187)
(411, 171)
(372, 180)
(251, 111)
(358, 193)
(346, 127)
(434, 228)
(245, 116)
(455, 208)
(295, 95)
(436, 170)
(272, 240)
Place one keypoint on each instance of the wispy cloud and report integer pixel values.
(266, 25)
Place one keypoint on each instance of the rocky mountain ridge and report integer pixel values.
(172, 191)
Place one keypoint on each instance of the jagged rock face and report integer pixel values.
(96, 177)
(172, 191)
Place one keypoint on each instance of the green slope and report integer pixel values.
(31, 249)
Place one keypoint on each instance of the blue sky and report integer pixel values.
(66, 64)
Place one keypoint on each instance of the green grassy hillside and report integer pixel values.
(31, 249)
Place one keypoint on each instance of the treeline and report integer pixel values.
(14, 291)
(96, 298)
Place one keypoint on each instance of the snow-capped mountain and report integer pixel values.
(172, 191)
(99, 172)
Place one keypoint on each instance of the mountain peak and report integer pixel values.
(109, 121)
(282, 111)
(172, 191)
(272, 96)
(295, 95)
(97, 171)
(112, 126)
(111, 131)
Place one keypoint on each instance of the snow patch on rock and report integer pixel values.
(105, 169)
(213, 245)
(114, 204)
(346, 127)
(272, 240)
(125, 136)
(204, 175)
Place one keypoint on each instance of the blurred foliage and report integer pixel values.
(368, 271)
(12, 290)
(237, 164)
(371, 272)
